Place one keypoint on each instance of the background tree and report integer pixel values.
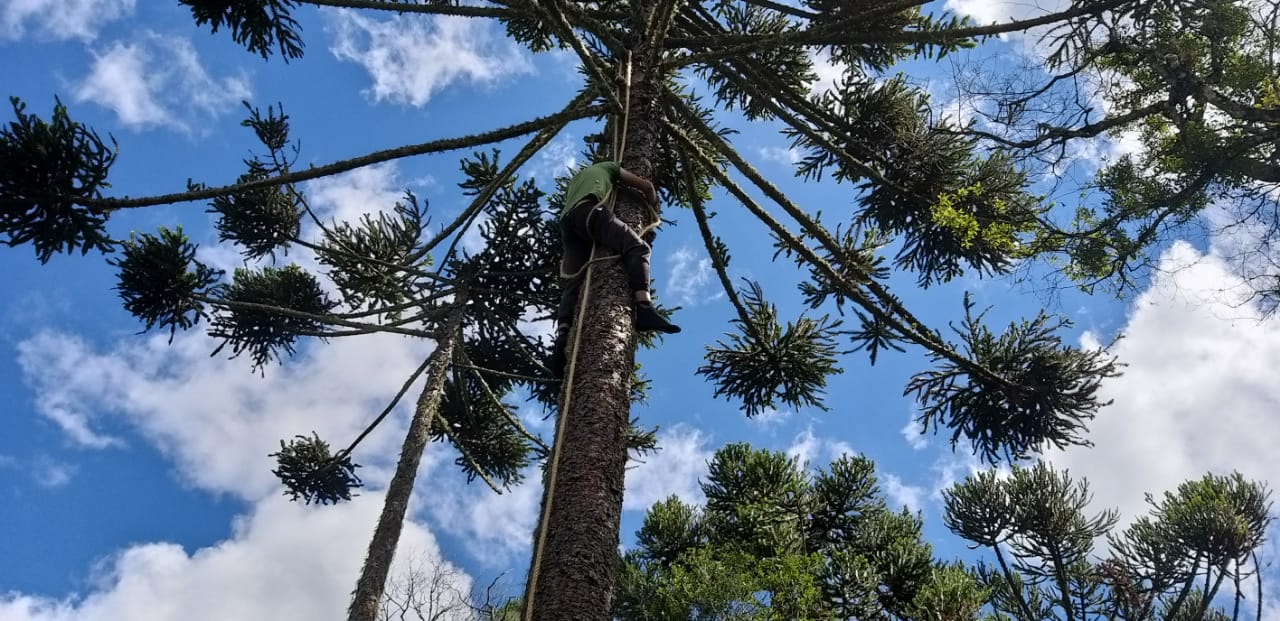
(1193, 84)
(777, 541)
(927, 197)
(427, 589)
(1193, 557)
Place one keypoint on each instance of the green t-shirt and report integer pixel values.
(595, 180)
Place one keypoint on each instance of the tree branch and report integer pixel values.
(436, 146)
(897, 317)
(406, 7)
(840, 33)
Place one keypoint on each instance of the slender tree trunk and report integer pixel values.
(382, 549)
(579, 561)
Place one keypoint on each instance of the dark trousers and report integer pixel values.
(587, 222)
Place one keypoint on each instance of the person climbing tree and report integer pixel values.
(586, 220)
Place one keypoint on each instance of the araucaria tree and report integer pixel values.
(776, 540)
(667, 80)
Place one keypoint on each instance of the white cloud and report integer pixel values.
(410, 59)
(786, 156)
(952, 467)
(901, 494)
(495, 528)
(689, 277)
(829, 72)
(675, 469)
(1199, 392)
(216, 419)
(50, 473)
(989, 11)
(157, 80)
(346, 197)
(556, 159)
(770, 417)
(912, 432)
(813, 451)
(283, 561)
(60, 19)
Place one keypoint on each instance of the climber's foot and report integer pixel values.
(649, 320)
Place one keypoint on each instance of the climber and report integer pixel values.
(586, 219)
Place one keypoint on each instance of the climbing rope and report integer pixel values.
(619, 140)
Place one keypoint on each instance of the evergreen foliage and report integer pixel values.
(929, 198)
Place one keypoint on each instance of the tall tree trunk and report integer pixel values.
(578, 565)
(382, 549)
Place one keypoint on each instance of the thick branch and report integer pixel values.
(405, 7)
(1048, 133)
(435, 146)
(899, 319)
(364, 328)
(841, 33)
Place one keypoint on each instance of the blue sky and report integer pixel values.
(136, 480)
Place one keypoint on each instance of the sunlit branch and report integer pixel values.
(892, 312)
(589, 61)
(839, 33)
(320, 319)
(441, 8)
(477, 372)
(436, 146)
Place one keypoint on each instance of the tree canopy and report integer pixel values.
(778, 540)
(930, 198)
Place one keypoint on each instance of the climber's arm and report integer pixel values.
(640, 184)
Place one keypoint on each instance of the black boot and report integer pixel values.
(649, 320)
(556, 363)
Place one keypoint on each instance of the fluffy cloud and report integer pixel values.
(988, 11)
(675, 469)
(689, 277)
(60, 19)
(157, 81)
(410, 59)
(816, 452)
(912, 433)
(495, 528)
(787, 156)
(900, 494)
(217, 420)
(283, 561)
(1199, 392)
(347, 197)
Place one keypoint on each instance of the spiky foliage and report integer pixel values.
(309, 471)
(775, 541)
(259, 220)
(927, 200)
(161, 282)
(764, 363)
(267, 310)
(377, 263)
(259, 25)
(47, 168)
(1042, 393)
(1198, 544)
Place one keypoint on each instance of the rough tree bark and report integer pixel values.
(382, 548)
(579, 559)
